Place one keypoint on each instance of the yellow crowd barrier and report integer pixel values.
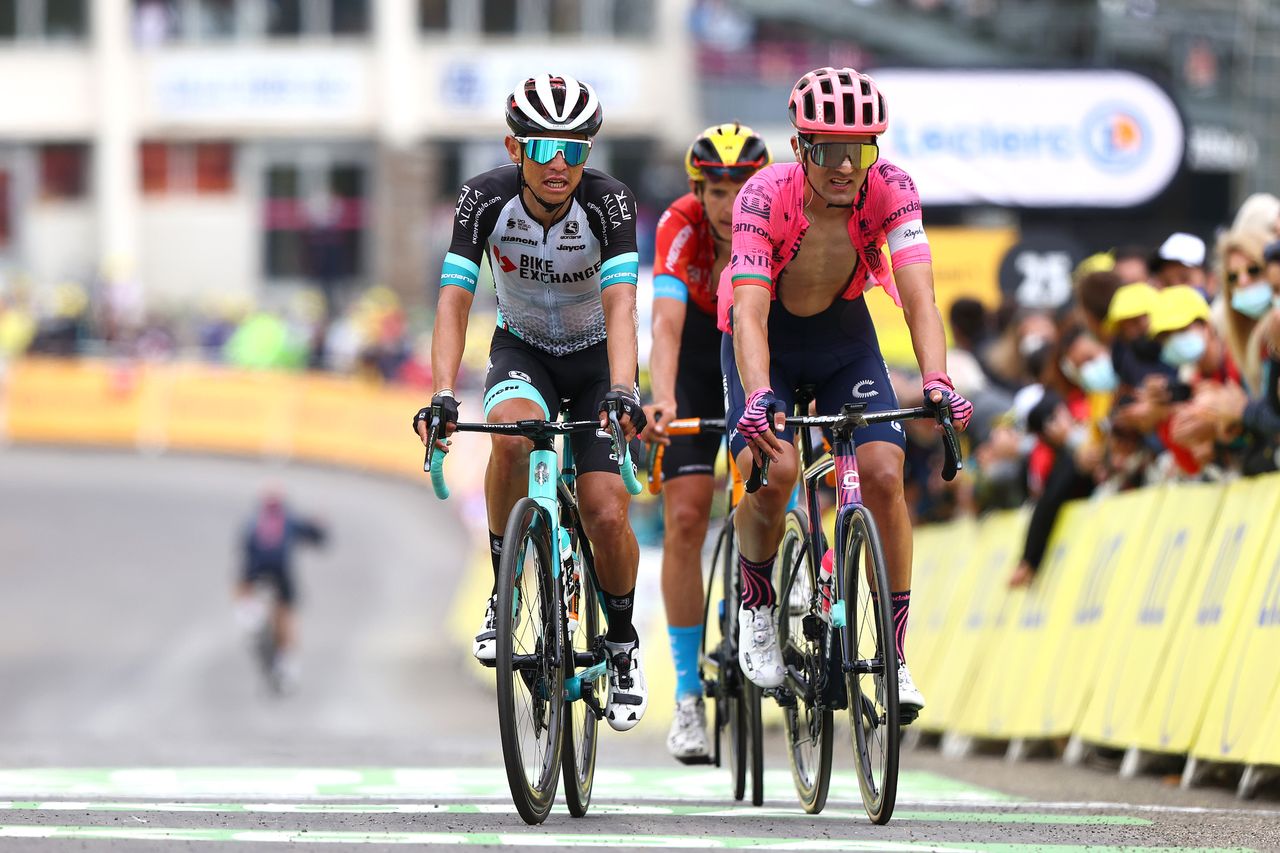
(208, 408)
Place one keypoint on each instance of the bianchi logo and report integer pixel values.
(524, 241)
(865, 389)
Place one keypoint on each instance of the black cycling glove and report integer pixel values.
(627, 405)
(448, 412)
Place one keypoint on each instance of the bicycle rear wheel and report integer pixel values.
(581, 726)
(530, 662)
(805, 638)
(872, 678)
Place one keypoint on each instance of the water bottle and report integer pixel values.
(826, 586)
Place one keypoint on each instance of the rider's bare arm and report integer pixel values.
(620, 325)
(664, 357)
(449, 335)
(915, 288)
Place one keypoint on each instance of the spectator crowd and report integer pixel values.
(1164, 366)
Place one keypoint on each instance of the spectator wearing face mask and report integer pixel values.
(1246, 298)
(1188, 341)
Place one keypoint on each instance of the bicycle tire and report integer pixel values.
(873, 719)
(536, 689)
(808, 722)
(730, 691)
(581, 726)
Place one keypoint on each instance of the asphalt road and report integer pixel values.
(131, 716)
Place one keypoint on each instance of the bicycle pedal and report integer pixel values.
(489, 664)
(694, 760)
(907, 716)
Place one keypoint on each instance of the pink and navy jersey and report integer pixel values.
(769, 224)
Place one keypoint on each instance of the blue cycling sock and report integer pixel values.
(686, 644)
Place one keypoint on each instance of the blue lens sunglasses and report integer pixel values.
(543, 149)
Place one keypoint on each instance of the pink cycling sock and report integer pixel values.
(757, 582)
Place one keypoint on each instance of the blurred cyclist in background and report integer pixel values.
(561, 243)
(267, 548)
(807, 245)
(692, 250)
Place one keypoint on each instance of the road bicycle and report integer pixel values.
(836, 621)
(736, 715)
(550, 658)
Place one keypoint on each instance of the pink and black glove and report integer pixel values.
(757, 419)
(961, 409)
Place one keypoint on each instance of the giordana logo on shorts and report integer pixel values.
(515, 374)
(865, 389)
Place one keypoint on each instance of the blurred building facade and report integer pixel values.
(251, 147)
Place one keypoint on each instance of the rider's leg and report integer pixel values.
(880, 467)
(506, 479)
(686, 513)
(759, 521)
(603, 502)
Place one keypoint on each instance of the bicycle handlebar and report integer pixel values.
(433, 461)
(941, 412)
(680, 426)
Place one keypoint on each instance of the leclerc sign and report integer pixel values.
(1031, 138)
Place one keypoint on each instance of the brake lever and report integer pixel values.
(759, 476)
(953, 463)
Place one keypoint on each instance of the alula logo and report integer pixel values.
(1116, 137)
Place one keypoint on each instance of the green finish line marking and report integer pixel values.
(436, 783)
(600, 809)
(529, 839)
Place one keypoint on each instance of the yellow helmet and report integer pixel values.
(730, 150)
(1131, 300)
(1176, 308)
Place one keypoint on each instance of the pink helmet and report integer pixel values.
(838, 100)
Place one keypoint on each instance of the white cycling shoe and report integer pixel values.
(687, 740)
(485, 647)
(758, 651)
(628, 691)
(910, 699)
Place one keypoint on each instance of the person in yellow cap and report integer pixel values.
(1191, 345)
(1133, 353)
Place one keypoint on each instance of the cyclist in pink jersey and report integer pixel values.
(807, 244)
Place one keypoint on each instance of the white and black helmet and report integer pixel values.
(544, 103)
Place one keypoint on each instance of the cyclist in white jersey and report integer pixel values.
(561, 244)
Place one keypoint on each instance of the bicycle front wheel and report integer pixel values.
(530, 662)
(805, 638)
(871, 672)
(581, 726)
(730, 707)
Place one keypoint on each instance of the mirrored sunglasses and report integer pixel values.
(542, 149)
(863, 155)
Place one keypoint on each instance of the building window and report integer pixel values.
(54, 20)
(315, 226)
(632, 20)
(8, 19)
(350, 17)
(64, 171)
(284, 18)
(498, 17)
(566, 17)
(202, 168)
(433, 14)
(65, 19)
(213, 19)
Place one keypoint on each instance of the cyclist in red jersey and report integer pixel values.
(807, 244)
(684, 373)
